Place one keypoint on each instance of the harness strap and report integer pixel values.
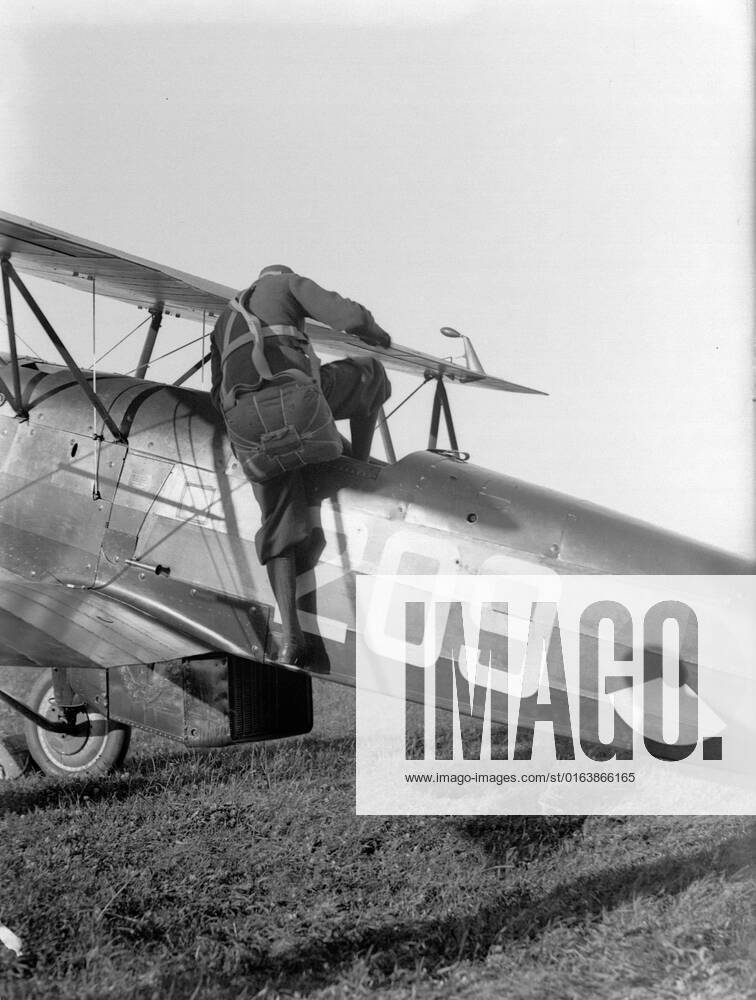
(284, 330)
(255, 335)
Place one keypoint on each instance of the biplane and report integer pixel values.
(127, 563)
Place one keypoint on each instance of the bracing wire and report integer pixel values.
(122, 340)
(20, 338)
(169, 353)
(406, 398)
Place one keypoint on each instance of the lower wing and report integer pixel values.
(53, 625)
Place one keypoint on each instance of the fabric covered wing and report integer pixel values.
(47, 253)
(55, 625)
(69, 260)
(405, 359)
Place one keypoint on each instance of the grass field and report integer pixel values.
(245, 873)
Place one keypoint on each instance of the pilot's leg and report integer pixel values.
(356, 389)
(283, 504)
(283, 580)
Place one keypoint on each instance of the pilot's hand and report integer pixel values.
(377, 338)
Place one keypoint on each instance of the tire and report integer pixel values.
(100, 750)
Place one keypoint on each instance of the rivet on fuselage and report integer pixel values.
(553, 550)
(472, 518)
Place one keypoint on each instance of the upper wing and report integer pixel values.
(406, 359)
(69, 260)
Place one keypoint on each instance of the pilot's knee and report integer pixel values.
(377, 387)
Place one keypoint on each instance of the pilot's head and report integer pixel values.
(276, 269)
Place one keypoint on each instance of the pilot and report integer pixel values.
(354, 389)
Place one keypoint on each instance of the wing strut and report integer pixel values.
(149, 342)
(15, 397)
(441, 403)
(10, 272)
(388, 444)
(190, 371)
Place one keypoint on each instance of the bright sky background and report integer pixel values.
(569, 182)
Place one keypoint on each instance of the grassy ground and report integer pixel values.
(245, 873)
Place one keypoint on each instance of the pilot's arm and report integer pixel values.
(338, 312)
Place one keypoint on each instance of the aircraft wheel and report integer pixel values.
(99, 749)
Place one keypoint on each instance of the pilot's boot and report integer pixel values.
(283, 579)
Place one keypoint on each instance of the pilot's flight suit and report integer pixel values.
(354, 388)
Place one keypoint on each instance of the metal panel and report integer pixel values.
(206, 702)
(55, 494)
(150, 696)
(612, 543)
(202, 525)
(63, 546)
(212, 701)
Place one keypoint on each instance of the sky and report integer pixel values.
(568, 183)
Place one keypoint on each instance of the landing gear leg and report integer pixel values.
(97, 747)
